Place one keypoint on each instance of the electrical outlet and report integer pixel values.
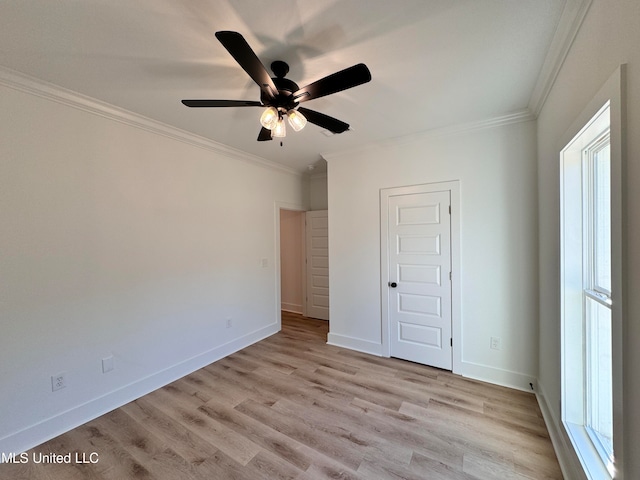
(58, 381)
(496, 343)
(229, 322)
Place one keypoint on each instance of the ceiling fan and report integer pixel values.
(280, 95)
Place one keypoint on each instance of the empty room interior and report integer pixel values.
(338, 239)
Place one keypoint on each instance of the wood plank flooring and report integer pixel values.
(292, 407)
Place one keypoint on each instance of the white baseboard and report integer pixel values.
(497, 376)
(291, 307)
(52, 427)
(352, 343)
(568, 460)
(475, 371)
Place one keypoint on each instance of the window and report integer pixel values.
(587, 290)
(596, 166)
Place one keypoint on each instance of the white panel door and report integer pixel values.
(317, 233)
(419, 284)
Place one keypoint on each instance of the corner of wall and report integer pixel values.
(497, 376)
(52, 427)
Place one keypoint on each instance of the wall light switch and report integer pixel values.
(107, 364)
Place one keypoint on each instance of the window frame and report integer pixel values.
(596, 291)
(592, 289)
(579, 449)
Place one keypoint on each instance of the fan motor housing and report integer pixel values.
(285, 88)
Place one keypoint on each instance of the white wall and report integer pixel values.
(292, 260)
(119, 241)
(609, 36)
(318, 192)
(496, 170)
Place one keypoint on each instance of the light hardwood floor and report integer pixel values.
(292, 407)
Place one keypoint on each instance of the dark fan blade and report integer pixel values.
(221, 103)
(264, 135)
(325, 121)
(239, 49)
(347, 78)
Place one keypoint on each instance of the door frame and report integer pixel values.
(277, 266)
(453, 187)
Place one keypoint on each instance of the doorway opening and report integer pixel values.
(303, 262)
(292, 261)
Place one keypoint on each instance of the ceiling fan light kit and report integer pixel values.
(296, 120)
(272, 119)
(280, 130)
(269, 118)
(282, 96)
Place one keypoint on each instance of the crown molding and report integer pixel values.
(34, 86)
(502, 120)
(573, 15)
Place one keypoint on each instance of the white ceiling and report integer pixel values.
(434, 63)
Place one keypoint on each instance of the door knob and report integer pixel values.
(393, 284)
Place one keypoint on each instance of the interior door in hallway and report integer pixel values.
(419, 283)
(317, 248)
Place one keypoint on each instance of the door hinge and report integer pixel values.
(451, 342)
(450, 276)
(449, 209)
